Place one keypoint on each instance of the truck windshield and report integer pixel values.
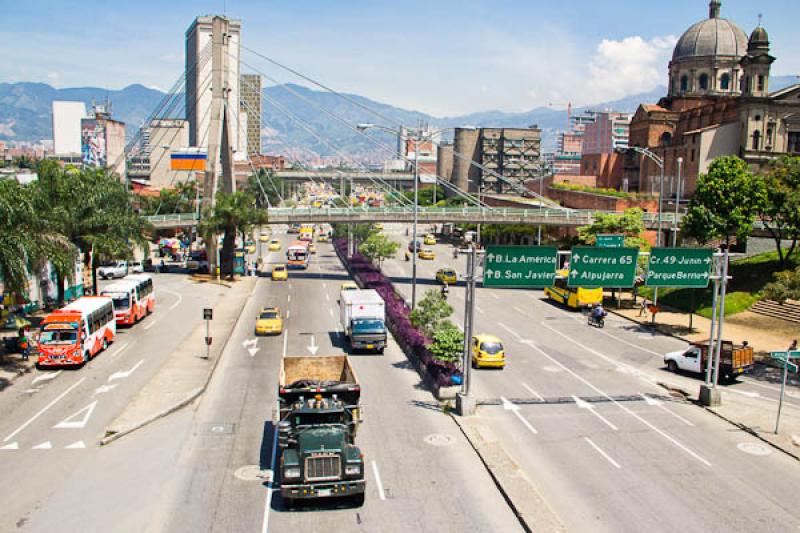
(368, 326)
(491, 347)
(58, 336)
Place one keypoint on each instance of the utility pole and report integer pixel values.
(416, 214)
(721, 311)
(465, 404)
(677, 205)
(658, 235)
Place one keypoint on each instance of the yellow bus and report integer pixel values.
(573, 297)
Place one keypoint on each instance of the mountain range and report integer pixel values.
(295, 119)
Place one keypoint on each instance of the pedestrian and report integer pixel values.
(23, 343)
(643, 307)
(793, 346)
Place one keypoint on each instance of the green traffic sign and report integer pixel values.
(520, 266)
(782, 357)
(610, 240)
(593, 267)
(679, 267)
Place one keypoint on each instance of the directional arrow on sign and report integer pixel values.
(252, 346)
(74, 422)
(125, 374)
(573, 273)
(313, 346)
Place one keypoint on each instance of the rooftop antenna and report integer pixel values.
(760, 16)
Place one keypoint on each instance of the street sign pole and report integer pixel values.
(721, 311)
(465, 405)
(783, 391)
(709, 359)
(208, 315)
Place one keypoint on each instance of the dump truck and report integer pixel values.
(319, 414)
(363, 318)
(734, 359)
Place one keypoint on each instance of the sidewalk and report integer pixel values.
(185, 375)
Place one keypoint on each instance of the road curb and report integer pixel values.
(749, 430)
(196, 393)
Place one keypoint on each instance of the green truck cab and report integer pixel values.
(319, 416)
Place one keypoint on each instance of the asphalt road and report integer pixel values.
(581, 411)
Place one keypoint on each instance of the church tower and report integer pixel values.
(756, 64)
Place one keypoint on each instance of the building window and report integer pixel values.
(794, 142)
(684, 83)
(760, 82)
(725, 82)
(756, 139)
(691, 158)
(703, 82)
(758, 118)
(666, 138)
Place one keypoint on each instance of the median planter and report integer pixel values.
(442, 378)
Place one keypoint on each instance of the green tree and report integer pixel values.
(785, 286)
(378, 247)
(265, 187)
(232, 213)
(448, 342)
(430, 312)
(725, 203)
(629, 223)
(425, 195)
(780, 211)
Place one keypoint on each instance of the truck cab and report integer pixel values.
(689, 360)
(735, 359)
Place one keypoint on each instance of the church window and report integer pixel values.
(666, 138)
(756, 139)
(703, 82)
(758, 118)
(760, 82)
(725, 82)
(684, 83)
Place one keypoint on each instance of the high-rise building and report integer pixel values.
(198, 81)
(67, 118)
(609, 132)
(250, 86)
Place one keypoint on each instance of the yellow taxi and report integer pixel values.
(274, 245)
(427, 253)
(447, 275)
(251, 248)
(430, 240)
(348, 286)
(280, 273)
(323, 237)
(378, 226)
(311, 248)
(487, 351)
(269, 322)
(263, 237)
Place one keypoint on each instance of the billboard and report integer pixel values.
(93, 143)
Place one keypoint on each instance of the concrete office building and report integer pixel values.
(103, 141)
(514, 153)
(198, 82)
(250, 86)
(67, 118)
(166, 136)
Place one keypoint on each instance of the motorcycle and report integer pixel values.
(445, 291)
(597, 322)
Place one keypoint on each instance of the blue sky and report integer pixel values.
(444, 57)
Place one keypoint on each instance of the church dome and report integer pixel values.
(713, 36)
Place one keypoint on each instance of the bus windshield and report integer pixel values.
(296, 255)
(58, 336)
(122, 300)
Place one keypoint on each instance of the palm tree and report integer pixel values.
(231, 213)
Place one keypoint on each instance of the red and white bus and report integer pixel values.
(74, 334)
(297, 255)
(134, 298)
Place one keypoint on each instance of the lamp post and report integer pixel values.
(677, 204)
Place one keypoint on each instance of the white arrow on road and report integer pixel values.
(252, 346)
(509, 406)
(12, 446)
(43, 446)
(127, 373)
(104, 388)
(79, 445)
(313, 346)
(74, 422)
(46, 377)
(582, 404)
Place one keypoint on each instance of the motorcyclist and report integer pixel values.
(598, 313)
(445, 290)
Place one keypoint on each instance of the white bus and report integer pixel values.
(74, 334)
(134, 298)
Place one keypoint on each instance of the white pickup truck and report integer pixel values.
(117, 270)
(734, 359)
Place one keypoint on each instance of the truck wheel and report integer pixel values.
(358, 500)
(672, 366)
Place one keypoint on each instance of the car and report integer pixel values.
(116, 270)
(412, 248)
(430, 240)
(323, 237)
(250, 247)
(378, 226)
(447, 275)
(311, 248)
(427, 253)
(136, 267)
(269, 322)
(487, 351)
(274, 245)
(263, 237)
(280, 273)
(348, 286)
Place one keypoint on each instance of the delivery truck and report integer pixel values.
(363, 319)
(319, 414)
(733, 360)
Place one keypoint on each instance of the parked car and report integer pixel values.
(137, 267)
(116, 270)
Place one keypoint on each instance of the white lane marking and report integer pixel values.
(659, 404)
(313, 346)
(152, 323)
(288, 297)
(288, 313)
(508, 329)
(749, 394)
(478, 308)
(612, 400)
(290, 286)
(104, 389)
(47, 445)
(46, 377)
(73, 422)
(378, 480)
(285, 339)
(327, 297)
(271, 484)
(179, 300)
(251, 345)
(330, 312)
(31, 391)
(121, 349)
(601, 452)
(78, 445)
(518, 310)
(125, 374)
(538, 396)
(324, 285)
(43, 409)
(12, 446)
(493, 295)
(508, 406)
(582, 404)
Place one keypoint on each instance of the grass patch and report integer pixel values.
(600, 190)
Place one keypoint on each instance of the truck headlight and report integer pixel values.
(292, 472)
(352, 470)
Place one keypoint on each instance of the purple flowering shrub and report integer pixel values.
(410, 339)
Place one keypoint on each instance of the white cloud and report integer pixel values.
(631, 65)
